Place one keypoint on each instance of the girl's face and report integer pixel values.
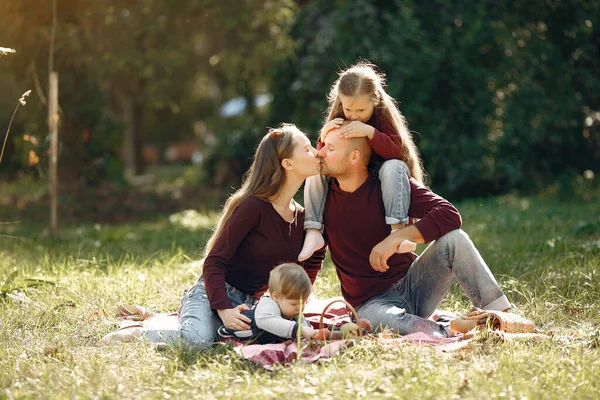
(304, 158)
(357, 108)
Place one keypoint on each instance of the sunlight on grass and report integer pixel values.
(58, 298)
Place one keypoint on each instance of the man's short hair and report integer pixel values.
(362, 145)
(359, 143)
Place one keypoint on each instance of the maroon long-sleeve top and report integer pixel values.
(386, 142)
(254, 241)
(355, 223)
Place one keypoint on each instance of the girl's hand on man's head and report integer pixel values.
(329, 126)
(357, 129)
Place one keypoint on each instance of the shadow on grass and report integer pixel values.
(218, 356)
(104, 245)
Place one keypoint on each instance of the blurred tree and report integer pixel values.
(241, 41)
(500, 96)
(80, 97)
(152, 70)
(497, 94)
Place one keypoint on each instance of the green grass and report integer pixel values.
(545, 254)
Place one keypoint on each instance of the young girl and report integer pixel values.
(359, 96)
(275, 318)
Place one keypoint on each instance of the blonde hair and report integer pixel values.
(290, 280)
(265, 177)
(362, 78)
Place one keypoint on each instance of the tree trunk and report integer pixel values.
(132, 143)
(248, 94)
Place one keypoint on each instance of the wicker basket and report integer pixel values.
(348, 306)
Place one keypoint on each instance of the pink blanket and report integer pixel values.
(268, 355)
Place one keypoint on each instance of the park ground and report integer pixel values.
(55, 295)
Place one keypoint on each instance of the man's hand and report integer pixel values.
(407, 236)
(382, 252)
(234, 319)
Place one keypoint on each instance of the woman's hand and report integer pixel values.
(333, 124)
(357, 129)
(234, 319)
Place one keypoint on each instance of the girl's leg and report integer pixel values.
(395, 190)
(315, 194)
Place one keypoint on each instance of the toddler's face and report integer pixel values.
(290, 308)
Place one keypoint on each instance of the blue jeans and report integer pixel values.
(198, 324)
(395, 190)
(405, 306)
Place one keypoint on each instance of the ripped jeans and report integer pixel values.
(198, 324)
(405, 306)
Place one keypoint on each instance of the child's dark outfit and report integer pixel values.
(267, 324)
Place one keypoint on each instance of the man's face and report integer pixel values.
(334, 155)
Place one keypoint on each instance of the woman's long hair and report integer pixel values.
(362, 78)
(265, 177)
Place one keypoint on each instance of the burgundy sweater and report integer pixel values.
(386, 142)
(355, 223)
(254, 241)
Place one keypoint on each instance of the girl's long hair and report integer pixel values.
(265, 177)
(362, 78)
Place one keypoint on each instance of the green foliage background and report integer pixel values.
(496, 93)
(500, 96)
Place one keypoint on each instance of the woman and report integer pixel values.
(261, 226)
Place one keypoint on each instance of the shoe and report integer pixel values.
(495, 320)
(134, 313)
(127, 334)
(227, 333)
(513, 309)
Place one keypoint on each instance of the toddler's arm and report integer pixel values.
(267, 316)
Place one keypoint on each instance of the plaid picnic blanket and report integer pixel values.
(509, 326)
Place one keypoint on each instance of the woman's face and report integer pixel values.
(304, 158)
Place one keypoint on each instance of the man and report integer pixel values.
(395, 290)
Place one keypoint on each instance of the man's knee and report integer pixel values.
(456, 237)
(455, 240)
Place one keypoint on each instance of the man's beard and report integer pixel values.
(339, 173)
(325, 171)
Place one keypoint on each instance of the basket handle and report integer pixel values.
(348, 306)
